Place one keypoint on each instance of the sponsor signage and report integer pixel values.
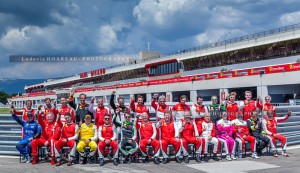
(210, 76)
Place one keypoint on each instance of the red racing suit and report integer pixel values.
(241, 133)
(267, 106)
(270, 127)
(178, 111)
(232, 110)
(63, 111)
(188, 135)
(139, 109)
(107, 132)
(99, 113)
(68, 132)
(52, 110)
(50, 132)
(198, 112)
(160, 109)
(148, 131)
(248, 108)
(24, 113)
(168, 132)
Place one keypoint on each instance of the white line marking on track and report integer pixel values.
(233, 166)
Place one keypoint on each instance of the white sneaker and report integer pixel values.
(228, 157)
(28, 159)
(233, 157)
(240, 154)
(284, 154)
(24, 159)
(254, 155)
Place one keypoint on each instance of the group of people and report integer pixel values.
(88, 128)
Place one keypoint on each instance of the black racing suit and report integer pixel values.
(80, 110)
(215, 111)
(258, 133)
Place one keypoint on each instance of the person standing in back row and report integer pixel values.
(122, 109)
(248, 105)
(99, 112)
(81, 109)
(140, 108)
(215, 110)
(178, 109)
(161, 107)
(232, 106)
(199, 110)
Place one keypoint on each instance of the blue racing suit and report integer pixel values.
(31, 130)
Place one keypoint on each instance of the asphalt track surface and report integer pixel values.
(266, 164)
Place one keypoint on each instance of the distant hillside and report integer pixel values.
(12, 86)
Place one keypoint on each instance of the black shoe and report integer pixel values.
(165, 160)
(215, 157)
(198, 158)
(91, 160)
(58, 163)
(206, 158)
(69, 163)
(116, 162)
(127, 159)
(146, 159)
(101, 162)
(259, 151)
(177, 159)
(83, 160)
(156, 160)
(186, 159)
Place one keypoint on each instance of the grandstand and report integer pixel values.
(266, 63)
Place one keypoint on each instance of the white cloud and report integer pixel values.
(290, 18)
(159, 12)
(201, 38)
(107, 38)
(16, 37)
(226, 16)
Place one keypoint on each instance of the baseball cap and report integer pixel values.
(87, 116)
(214, 98)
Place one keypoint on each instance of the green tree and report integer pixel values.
(3, 97)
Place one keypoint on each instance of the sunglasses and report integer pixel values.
(161, 101)
(107, 118)
(127, 116)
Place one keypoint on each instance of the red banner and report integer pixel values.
(226, 74)
(239, 73)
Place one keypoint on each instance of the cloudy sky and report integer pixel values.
(123, 27)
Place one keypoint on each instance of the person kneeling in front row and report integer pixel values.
(88, 133)
(107, 137)
(207, 130)
(128, 135)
